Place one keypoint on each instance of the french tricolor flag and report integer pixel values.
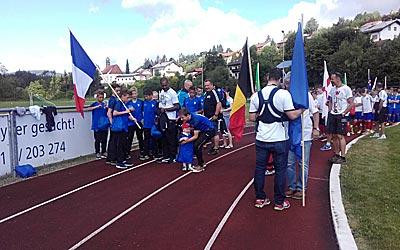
(83, 70)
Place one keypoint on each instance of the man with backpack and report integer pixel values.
(271, 108)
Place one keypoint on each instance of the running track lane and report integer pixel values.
(181, 214)
(72, 217)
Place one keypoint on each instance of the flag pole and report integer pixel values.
(251, 73)
(373, 87)
(119, 98)
(303, 198)
(385, 82)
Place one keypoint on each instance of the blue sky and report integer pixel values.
(34, 34)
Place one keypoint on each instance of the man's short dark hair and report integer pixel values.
(183, 111)
(192, 88)
(100, 92)
(147, 92)
(115, 85)
(339, 75)
(275, 74)
(208, 80)
(163, 79)
(379, 85)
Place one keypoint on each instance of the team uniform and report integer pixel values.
(206, 132)
(193, 105)
(211, 99)
(120, 137)
(149, 116)
(100, 133)
(367, 105)
(133, 127)
(358, 114)
(381, 116)
(337, 120)
(111, 154)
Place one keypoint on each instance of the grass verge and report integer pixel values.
(370, 191)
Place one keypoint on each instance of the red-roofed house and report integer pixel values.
(113, 73)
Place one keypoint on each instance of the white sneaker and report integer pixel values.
(348, 133)
(382, 137)
(376, 135)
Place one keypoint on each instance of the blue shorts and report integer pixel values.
(358, 115)
(368, 117)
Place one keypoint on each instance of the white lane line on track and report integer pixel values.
(226, 216)
(110, 222)
(94, 233)
(71, 192)
(79, 189)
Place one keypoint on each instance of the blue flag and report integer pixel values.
(298, 90)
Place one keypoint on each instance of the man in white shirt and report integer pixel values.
(340, 103)
(380, 112)
(169, 105)
(272, 138)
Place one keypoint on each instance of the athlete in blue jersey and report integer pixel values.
(193, 104)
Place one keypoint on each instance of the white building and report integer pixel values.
(379, 30)
(113, 73)
(167, 69)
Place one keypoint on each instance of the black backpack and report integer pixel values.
(222, 98)
(264, 109)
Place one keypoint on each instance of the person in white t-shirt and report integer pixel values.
(272, 137)
(380, 112)
(358, 127)
(311, 131)
(340, 103)
(169, 105)
(367, 106)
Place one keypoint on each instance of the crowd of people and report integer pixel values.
(170, 126)
(175, 126)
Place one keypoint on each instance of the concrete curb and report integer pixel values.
(342, 228)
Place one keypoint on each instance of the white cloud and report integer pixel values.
(188, 28)
(94, 9)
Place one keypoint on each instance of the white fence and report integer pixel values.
(25, 140)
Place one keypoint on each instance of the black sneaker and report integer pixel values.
(333, 159)
(213, 151)
(171, 160)
(340, 160)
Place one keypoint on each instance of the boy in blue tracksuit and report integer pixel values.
(120, 129)
(193, 103)
(149, 116)
(136, 107)
(111, 155)
(100, 125)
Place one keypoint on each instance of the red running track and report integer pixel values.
(183, 215)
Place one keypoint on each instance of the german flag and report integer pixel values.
(243, 91)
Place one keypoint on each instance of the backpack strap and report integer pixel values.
(265, 106)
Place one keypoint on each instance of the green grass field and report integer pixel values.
(370, 191)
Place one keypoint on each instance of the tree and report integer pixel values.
(127, 67)
(3, 69)
(311, 26)
(212, 61)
